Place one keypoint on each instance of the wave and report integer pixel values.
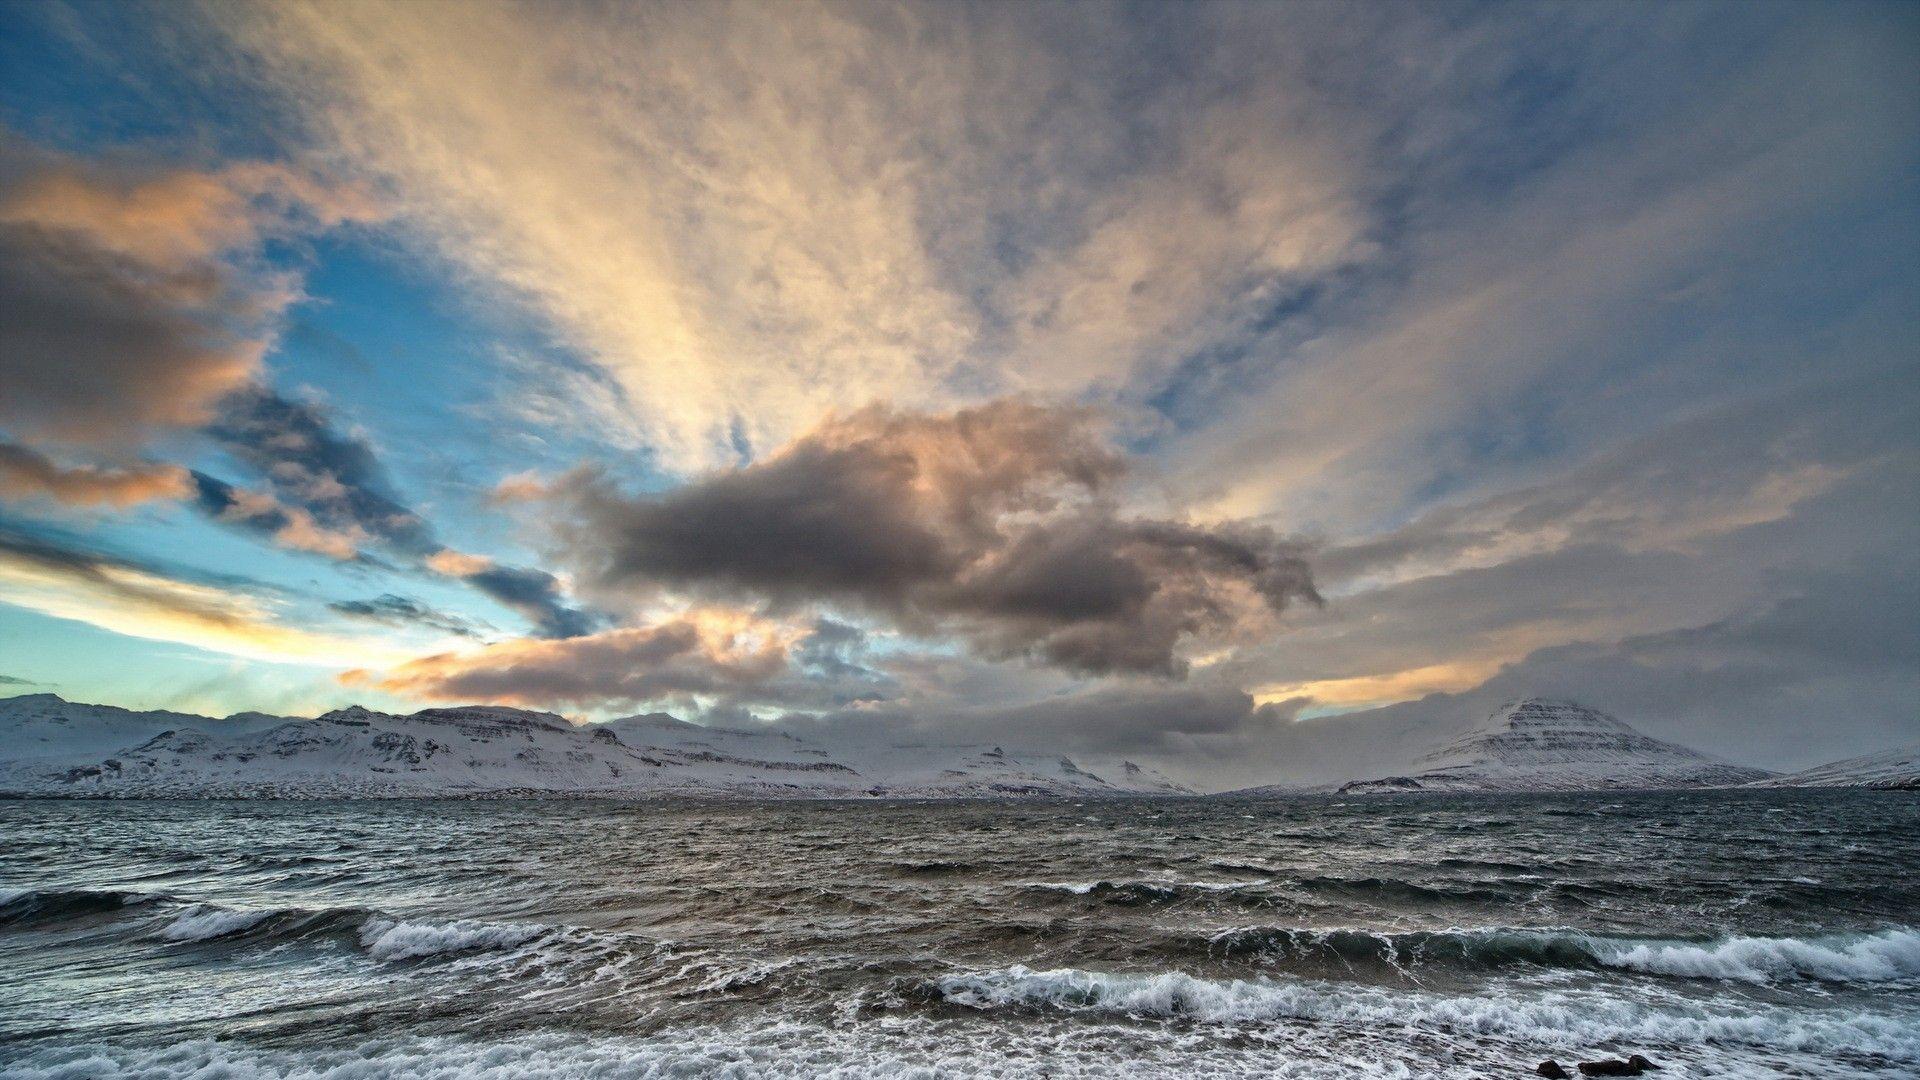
(1402, 891)
(39, 906)
(1129, 893)
(1479, 948)
(1554, 1017)
(1891, 955)
(1884, 957)
(203, 923)
(382, 936)
(392, 939)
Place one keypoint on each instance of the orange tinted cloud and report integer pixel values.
(26, 473)
(699, 652)
(142, 602)
(134, 296)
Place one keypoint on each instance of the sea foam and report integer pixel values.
(391, 939)
(201, 923)
(1887, 956)
(1549, 1017)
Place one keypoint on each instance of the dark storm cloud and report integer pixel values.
(831, 647)
(404, 611)
(89, 353)
(128, 296)
(994, 522)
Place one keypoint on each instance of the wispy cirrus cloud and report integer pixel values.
(394, 610)
(750, 216)
(126, 597)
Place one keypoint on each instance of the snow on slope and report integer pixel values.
(1539, 745)
(53, 747)
(1892, 769)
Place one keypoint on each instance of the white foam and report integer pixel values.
(1559, 1017)
(389, 939)
(199, 923)
(1888, 956)
(1168, 889)
(910, 1048)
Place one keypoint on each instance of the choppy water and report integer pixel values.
(1749, 934)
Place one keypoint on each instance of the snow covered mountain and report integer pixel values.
(1539, 745)
(52, 747)
(1893, 769)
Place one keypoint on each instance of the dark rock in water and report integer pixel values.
(1553, 1070)
(1633, 1066)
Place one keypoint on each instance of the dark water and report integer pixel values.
(1720, 934)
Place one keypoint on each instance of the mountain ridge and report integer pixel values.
(50, 747)
(1889, 770)
(1547, 745)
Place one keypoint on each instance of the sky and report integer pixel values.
(1232, 388)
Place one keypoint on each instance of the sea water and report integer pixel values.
(1718, 933)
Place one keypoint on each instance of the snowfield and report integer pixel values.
(53, 747)
(1539, 745)
(1895, 769)
(50, 747)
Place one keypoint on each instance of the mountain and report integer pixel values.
(1539, 745)
(53, 747)
(1894, 769)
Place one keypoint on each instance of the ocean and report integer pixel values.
(1744, 934)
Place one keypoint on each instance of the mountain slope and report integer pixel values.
(51, 747)
(1893, 769)
(1539, 745)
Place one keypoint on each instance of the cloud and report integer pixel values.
(750, 218)
(259, 512)
(141, 601)
(1139, 718)
(404, 611)
(705, 653)
(332, 476)
(130, 295)
(1742, 464)
(536, 595)
(27, 473)
(332, 496)
(1686, 255)
(1823, 675)
(9, 680)
(992, 522)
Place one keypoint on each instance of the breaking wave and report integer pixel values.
(391, 939)
(1887, 956)
(207, 923)
(1564, 1017)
